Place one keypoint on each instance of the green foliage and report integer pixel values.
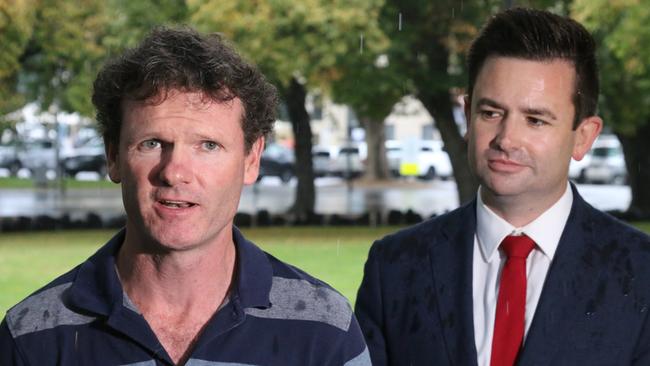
(16, 21)
(57, 47)
(288, 38)
(130, 21)
(369, 83)
(621, 30)
(62, 54)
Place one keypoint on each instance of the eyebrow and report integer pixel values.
(536, 111)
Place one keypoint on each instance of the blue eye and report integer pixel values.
(210, 145)
(150, 144)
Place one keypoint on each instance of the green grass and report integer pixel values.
(69, 183)
(335, 255)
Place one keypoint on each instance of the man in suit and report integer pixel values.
(527, 273)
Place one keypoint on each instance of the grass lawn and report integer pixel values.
(334, 254)
(13, 182)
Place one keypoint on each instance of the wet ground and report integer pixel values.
(334, 196)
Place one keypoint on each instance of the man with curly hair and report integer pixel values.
(184, 119)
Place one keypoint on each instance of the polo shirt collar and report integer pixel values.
(254, 273)
(545, 230)
(97, 288)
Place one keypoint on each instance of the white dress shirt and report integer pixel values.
(491, 229)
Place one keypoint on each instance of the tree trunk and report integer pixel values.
(637, 160)
(376, 164)
(303, 207)
(440, 106)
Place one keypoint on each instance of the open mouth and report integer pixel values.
(176, 204)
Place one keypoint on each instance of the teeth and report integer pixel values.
(176, 204)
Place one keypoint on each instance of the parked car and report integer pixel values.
(425, 159)
(607, 163)
(9, 158)
(88, 157)
(37, 155)
(577, 168)
(349, 161)
(322, 160)
(278, 161)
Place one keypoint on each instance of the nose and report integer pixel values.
(175, 167)
(507, 135)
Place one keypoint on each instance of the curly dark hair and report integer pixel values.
(183, 59)
(541, 36)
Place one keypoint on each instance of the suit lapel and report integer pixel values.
(567, 284)
(451, 260)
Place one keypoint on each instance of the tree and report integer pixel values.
(130, 21)
(60, 58)
(297, 45)
(371, 86)
(16, 22)
(428, 39)
(621, 31)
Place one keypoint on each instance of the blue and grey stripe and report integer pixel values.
(293, 299)
(45, 310)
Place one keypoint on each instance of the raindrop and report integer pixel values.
(399, 23)
(453, 13)
(508, 307)
(589, 313)
(360, 43)
(644, 308)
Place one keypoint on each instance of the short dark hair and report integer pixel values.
(541, 36)
(183, 59)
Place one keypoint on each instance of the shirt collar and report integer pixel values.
(545, 230)
(254, 273)
(97, 287)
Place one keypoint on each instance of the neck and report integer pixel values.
(519, 211)
(184, 280)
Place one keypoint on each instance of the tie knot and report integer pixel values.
(517, 246)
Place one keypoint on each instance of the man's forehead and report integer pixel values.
(190, 99)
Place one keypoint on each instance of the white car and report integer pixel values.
(322, 160)
(349, 161)
(577, 168)
(425, 159)
(607, 162)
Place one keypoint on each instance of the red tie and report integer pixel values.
(509, 320)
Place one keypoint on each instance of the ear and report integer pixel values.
(252, 161)
(112, 161)
(468, 114)
(585, 135)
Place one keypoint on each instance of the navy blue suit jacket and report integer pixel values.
(415, 302)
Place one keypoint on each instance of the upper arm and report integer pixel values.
(9, 353)
(369, 309)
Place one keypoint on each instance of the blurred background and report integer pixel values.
(371, 117)
(370, 130)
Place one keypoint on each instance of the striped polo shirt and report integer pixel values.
(276, 315)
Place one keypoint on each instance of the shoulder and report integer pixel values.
(296, 295)
(415, 241)
(606, 226)
(45, 309)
